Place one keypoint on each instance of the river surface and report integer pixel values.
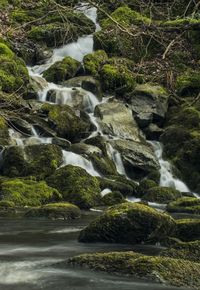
(29, 250)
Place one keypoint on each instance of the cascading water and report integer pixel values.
(166, 177)
(116, 157)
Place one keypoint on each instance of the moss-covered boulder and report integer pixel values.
(112, 198)
(62, 210)
(176, 272)
(144, 186)
(187, 251)
(66, 123)
(161, 194)
(117, 78)
(188, 83)
(24, 192)
(188, 229)
(37, 160)
(62, 70)
(76, 186)
(129, 223)
(185, 205)
(94, 61)
(13, 72)
(119, 183)
(104, 165)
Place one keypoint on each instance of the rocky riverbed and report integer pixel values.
(99, 142)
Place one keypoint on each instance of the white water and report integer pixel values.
(166, 176)
(70, 158)
(116, 157)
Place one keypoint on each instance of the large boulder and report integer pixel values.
(138, 158)
(176, 272)
(62, 70)
(130, 223)
(76, 186)
(185, 205)
(25, 192)
(188, 229)
(66, 123)
(149, 103)
(37, 160)
(61, 210)
(161, 194)
(116, 119)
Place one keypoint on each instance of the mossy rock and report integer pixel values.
(161, 194)
(37, 160)
(104, 165)
(112, 198)
(23, 192)
(66, 123)
(144, 186)
(176, 272)
(94, 61)
(129, 223)
(76, 186)
(4, 133)
(13, 72)
(117, 79)
(185, 205)
(117, 183)
(188, 82)
(62, 70)
(187, 251)
(54, 211)
(188, 229)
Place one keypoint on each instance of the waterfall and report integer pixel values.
(116, 157)
(166, 176)
(70, 158)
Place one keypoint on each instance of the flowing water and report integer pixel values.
(30, 249)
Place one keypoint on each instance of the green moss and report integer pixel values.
(144, 186)
(161, 194)
(126, 17)
(21, 16)
(115, 183)
(4, 134)
(103, 165)
(113, 198)
(188, 82)
(6, 204)
(117, 78)
(188, 229)
(13, 72)
(27, 192)
(62, 70)
(185, 204)
(93, 62)
(62, 210)
(37, 160)
(176, 272)
(129, 223)
(187, 251)
(65, 122)
(76, 186)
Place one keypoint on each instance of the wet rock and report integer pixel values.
(21, 125)
(63, 143)
(149, 103)
(62, 70)
(37, 160)
(116, 119)
(138, 158)
(55, 211)
(81, 148)
(153, 132)
(76, 186)
(25, 192)
(187, 251)
(188, 229)
(37, 84)
(130, 223)
(176, 272)
(185, 205)
(161, 194)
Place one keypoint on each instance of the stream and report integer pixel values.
(30, 248)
